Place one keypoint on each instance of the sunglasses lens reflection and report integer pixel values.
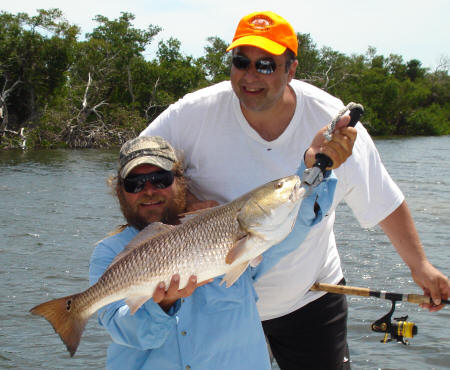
(264, 66)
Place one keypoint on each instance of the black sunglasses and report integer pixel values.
(159, 179)
(265, 66)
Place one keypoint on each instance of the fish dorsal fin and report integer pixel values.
(183, 217)
(155, 228)
(231, 276)
(239, 248)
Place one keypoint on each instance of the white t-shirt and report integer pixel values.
(225, 157)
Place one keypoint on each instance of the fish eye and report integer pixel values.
(278, 185)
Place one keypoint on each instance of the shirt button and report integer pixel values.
(183, 332)
(182, 300)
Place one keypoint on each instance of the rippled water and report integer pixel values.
(420, 167)
(55, 205)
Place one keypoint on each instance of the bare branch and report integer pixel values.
(20, 133)
(152, 99)
(84, 105)
(86, 110)
(443, 64)
(94, 110)
(3, 105)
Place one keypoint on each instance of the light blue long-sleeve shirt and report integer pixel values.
(214, 328)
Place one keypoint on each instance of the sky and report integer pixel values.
(412, 29)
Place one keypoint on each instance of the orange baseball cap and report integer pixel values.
(267, 31)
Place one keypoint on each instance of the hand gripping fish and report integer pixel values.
(218, 241)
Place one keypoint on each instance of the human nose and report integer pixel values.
(251, 73)
(149, 188)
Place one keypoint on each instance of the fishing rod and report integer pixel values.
(366, 292)
(398, 330)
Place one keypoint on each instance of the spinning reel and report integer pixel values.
(398, 330)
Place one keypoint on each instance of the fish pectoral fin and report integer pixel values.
(238, 250)
(136, 302)
(256, 261)
(153, 229)
(232, 275)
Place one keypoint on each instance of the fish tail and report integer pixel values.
(68, 322)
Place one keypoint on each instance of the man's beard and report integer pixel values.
(173, 208)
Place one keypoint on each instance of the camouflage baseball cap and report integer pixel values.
(152, 150)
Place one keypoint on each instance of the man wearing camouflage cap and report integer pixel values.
(201, 326)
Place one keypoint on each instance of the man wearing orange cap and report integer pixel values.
(238, 135)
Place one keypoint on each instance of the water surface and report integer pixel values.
(55, 205)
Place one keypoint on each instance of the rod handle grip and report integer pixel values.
(341, 289)
(418, 298)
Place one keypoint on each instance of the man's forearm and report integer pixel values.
(400, 229)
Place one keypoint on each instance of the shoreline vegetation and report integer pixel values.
(59, 92)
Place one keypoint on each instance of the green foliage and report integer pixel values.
(38, 60)
(216, 62)
(102, 91)
(108, 55)
(179, 74)
(431, 120)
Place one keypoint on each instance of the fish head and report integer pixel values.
(271, 209)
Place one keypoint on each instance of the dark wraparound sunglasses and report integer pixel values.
(159, 179)
(265, 66)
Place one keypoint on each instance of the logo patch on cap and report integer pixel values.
(261, 22)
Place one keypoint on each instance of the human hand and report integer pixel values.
(167, 298)
(338, 149)
(433, 283)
